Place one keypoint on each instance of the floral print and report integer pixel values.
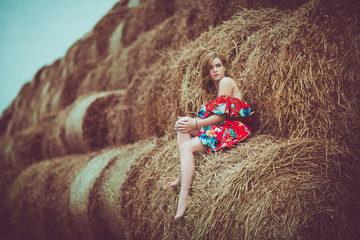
(231, 130)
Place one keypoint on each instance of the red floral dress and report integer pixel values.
(231, 130)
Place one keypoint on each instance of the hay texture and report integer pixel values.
(297, 63)
(299, 70)
(6, 180)
(125, 40)
(262, 189)
(162, 63)
(93, 122)
(73, 197)
(55, 87)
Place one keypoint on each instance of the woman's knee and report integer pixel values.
(186, 147)
(182, 133)
(191, 146)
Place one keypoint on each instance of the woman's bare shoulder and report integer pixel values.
(227, 81)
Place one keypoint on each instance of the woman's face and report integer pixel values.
(217, 70)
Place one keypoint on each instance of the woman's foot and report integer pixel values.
(182, 207)
(174, 183)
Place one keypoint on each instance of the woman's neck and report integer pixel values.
(216, 84)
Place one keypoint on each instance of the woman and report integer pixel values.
(218, 126)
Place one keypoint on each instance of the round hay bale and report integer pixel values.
(298, 69)
(262, 189)
(69, 91)
(144, 17)
(73, 197)
(106, 122)
(5, 152)
(106, 207)
(149, 113)
(97, 121)
(5, 118)
(105, 28)
(20, 119)
(6, 180)
(74, 123)
(298, 188)
(173, 85)
(92, 122)
(24, 148)
(38, 200)
(307, 72)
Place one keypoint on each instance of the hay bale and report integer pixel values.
(74, 123)
(144, 17)
(262, 189)
(4, 121)
(308, 73)
(6, 180)
(286, 58)
(91, 63)
(106, 122)
(87, 61)
(5, 146)
(38, 200)
(20, 119)
(298, 188)
(91, 123)
(73, 197)
(66, 73)
(97, 121)
(173, 87)
(105, 28)
(106, 206)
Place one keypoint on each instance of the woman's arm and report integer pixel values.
(187, 124)
(211, 120)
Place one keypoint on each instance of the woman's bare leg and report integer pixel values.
(187, 150)
(181, 138)
(175, 183)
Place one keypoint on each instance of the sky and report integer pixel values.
(35, 33)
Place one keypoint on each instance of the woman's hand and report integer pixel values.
(185, 124)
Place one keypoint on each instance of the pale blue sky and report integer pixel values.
(35, 33)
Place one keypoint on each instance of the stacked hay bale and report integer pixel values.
(154, 60)
(297, 178)
(282, 60)
(6, 180)
(270, 64)
(92, 122)
(262, 189)
(109, 56)
(73, 197)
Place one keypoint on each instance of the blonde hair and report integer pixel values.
(206, 82)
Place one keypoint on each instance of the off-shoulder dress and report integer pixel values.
(230, 131)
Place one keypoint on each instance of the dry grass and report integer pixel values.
(299, 76)
(6, 180)
(298, 178)
(262, 189)
(299, 71)
(92, 122)
(72, 197)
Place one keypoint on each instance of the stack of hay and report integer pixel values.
(92, 122)
(297, 178)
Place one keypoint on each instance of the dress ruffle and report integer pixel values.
(231, 130)
(232, 107)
